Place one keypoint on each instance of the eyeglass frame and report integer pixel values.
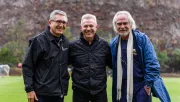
(60, 21)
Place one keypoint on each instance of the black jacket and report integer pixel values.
(45, 65)
(89, 64)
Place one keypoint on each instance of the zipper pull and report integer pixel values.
(60, 42)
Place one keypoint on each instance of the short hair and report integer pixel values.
(89, 16)
(130, 18)
(53, 13)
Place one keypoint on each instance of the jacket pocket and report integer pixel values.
(49, 68)
(45, 75)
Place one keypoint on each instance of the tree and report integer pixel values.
(175, 60)
(13, 51)
(163, 59)
(104, 34)
(7, 57)
(68, 34)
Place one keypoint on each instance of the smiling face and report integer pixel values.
(123, 26)
(58, 25)
(88, 28)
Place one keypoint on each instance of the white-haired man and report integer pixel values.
(134, 62)
(45, 65)
(89, 55)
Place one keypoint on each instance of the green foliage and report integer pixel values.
(174, 60)
(6, 56)
(104, 34)
(163, 57)
(176, 55)
(68, 34)
(169, 60)
(12, 52)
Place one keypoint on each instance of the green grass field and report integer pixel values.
(12, 90)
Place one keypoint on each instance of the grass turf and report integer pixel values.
(12, 89)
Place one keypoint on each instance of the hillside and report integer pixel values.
(159, 19)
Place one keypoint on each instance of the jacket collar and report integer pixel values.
(51, 37)
(96, 38)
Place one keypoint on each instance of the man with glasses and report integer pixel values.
(45, 65)
(136, 70)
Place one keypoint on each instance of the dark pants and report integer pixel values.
(81, 96)
(140, 96)
(49, 98)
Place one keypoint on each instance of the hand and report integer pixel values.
(148, 89)
(31, 96)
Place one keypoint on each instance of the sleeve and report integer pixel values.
(33, 52)
(152, 66)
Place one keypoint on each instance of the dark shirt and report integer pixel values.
(137, 70)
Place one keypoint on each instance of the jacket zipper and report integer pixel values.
(60, 47)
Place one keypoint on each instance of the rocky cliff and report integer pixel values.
(159, 19)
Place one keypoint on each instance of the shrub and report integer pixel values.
(174, 60)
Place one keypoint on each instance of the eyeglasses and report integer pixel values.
(59, 21)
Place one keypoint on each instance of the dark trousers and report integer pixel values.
(49, 98)
(82, 96)
(139, 96)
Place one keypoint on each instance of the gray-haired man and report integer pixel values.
(45, 65)
(89, 56)
(136, 70)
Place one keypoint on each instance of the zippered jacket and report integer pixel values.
(150, 65)
(89, 64)
(45, 65)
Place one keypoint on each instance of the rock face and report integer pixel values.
(159, 19)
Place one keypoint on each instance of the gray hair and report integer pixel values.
(89, 16)
(52, 15)
(130, 18)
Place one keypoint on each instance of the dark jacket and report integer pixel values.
(45, 65)
(89, 64)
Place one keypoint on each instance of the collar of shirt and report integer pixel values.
(96, 38)
(51, 37)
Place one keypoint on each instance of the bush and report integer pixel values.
(6, 57)
(174, 60)
(163, 59)
(13, 51)
(104, 34)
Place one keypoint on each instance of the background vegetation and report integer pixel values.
(13, 51)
